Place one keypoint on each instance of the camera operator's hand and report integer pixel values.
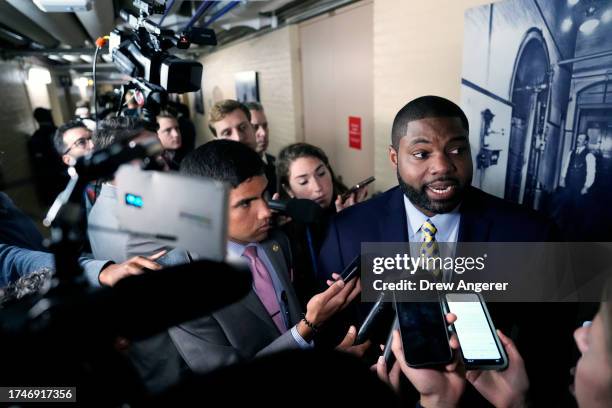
(324, 305)
(113, 273)
(505, 388)
(438, 388)
(347, 345)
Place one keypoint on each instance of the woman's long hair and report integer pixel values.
(295, 151)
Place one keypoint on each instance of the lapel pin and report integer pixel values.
(275, 247)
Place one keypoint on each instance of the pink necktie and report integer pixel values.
(264, 287)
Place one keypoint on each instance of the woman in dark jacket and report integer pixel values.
(303, 171)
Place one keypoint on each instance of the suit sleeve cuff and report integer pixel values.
(92, 269)
(300, 340)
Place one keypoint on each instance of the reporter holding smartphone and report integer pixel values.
(303, 171)
(592, 386)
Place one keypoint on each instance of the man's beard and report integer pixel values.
(420, 199)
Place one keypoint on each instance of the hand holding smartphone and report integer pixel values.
(357, 187)
(424, 333)
(352, 269)
(481, 348)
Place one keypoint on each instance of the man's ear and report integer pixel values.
(393, 156)
(67, 159)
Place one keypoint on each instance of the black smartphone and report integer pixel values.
(352, 269)
(424, 333)
(480, 346)
(357, 186)
(377, 312)
(388, 352)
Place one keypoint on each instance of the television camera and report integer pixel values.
(141, 51)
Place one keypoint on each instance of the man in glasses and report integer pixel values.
(73, 140)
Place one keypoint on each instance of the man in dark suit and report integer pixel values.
(269, 318)
(434, 200)
(262, 137)
(430, 153)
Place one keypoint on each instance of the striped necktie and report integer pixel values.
(430, 250)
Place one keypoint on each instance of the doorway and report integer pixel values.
(530, 89)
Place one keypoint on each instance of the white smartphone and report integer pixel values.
(481, 348)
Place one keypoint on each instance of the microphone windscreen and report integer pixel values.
(149, 303)
(303, 210)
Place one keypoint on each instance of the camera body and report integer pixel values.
(141, 51)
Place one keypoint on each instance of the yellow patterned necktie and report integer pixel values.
(430, 248)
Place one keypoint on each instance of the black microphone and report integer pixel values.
(299, 209)
(104, 162)
(136, 307)
(149, 303)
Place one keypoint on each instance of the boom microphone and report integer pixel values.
(104, 162)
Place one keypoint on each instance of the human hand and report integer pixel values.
(505, 388)
(356, 290)
(353, 198)
(437, 387)
(348, 345)
(325, 304)
(113, 273)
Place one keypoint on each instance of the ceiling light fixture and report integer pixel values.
(566, 25)
(591, 22)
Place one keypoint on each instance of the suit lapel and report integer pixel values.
(277, 259)
(252, 303)
(474, 225)
(394, 224)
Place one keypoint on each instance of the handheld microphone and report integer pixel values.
(299, 209)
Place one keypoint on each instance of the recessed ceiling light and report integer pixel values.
(589, 25)
(566, 25)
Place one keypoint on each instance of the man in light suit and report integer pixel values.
(269, 318)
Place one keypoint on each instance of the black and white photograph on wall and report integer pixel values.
(537, 88)
(247, 89)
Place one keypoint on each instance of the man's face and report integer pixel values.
(433, 164)
(249, 214)
(169, 133)
(235, 126)
(78, 143)
(581, 140)
(260, 126)
(593, 375)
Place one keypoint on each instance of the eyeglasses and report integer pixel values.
(80, 142)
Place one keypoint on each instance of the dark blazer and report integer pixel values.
(542, 331)
(270, 171)
(484, 218)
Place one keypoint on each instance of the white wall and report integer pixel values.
(418, 49)
(337, 78)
